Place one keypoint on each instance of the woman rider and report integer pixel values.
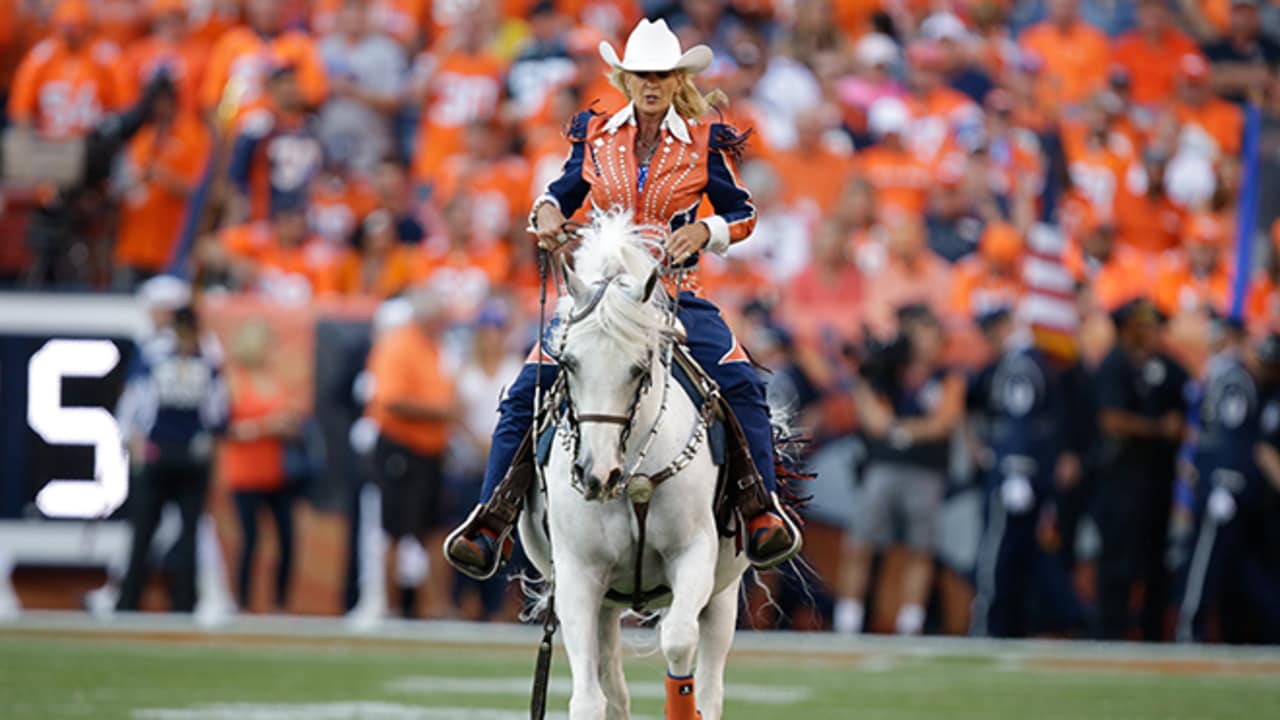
(656, 157)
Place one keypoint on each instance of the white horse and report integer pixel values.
(631, 421)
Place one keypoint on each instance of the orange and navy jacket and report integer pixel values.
(243, 56)
(274, 161)
(693, 159)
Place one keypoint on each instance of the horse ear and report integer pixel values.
(649, 285)
(577, 288)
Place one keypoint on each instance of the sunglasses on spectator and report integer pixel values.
(655, 75)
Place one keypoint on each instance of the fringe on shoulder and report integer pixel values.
(577, 129)
(729, 141)
(791, 474)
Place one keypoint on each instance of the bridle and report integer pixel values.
(638, 487)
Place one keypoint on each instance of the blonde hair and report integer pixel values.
(689, 101)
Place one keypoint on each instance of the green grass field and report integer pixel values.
(108, 672)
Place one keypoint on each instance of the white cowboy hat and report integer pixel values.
(652, 47)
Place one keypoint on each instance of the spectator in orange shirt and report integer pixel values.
(897, 174)
(68, 81)
(161, 167)
(253, 456)
(1075, 54)
(414, 405)
(276, 257)
(458, 84)
(941, 118)
(808, 191)
(1098, 156)
(824, 297)
(338, 203)
(458, 265)
(1205, 119)
(1113, 273)
(993, 278)
(1200, 281)
(379, 266)
(1262, 305)
(594, 87)
(495, 181)
(912, 275)
(1145, 53)
(1146, 219)
(243, 58)
(166, 50)
(119, 21)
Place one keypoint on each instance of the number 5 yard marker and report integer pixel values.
(58, 425)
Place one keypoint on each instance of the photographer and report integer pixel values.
(909, 405)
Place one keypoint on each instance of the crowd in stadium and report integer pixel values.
(933, 179)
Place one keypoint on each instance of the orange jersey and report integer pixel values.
(613, 18)
(975, 289)
(382, 277)
(1146, 224)
(1152, 67)
(1075, 61)
(337, 206)
(899, 177)
(818, 191)
(463, 89)
(1097, 172)
(463, 272)
(209, 20)
(183, 63)
(403, 20)
(312, 262)
(258, 464)
(151, 213)
(936, 119)
(1179, 290)
(245, 58)
(407, 366)
(498, 192)
(1219, 119)
(64, 93)
(1113, 282)
(1262, 304)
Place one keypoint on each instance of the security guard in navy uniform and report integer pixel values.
(1133, 429)
(1222, 571)
(1019, 399)
(1267, 457)
(1165, 395)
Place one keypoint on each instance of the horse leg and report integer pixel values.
(578, 597)
(715, 636)
(692, 580)
(612, 679)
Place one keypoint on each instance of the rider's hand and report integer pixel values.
(686, 241)
(549, 228)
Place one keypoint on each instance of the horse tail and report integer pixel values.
(537, 592)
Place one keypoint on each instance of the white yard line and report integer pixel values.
(806, 645)
(351, 710)
(561, 687)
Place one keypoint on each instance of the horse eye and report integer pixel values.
(638, 371)
(569, 364)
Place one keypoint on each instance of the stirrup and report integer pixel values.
(465, 532)
(775, 559)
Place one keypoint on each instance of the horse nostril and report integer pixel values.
(593, 487)
(615, 477)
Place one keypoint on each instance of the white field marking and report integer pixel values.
(431, 685)
(879, 664)
(351, 710)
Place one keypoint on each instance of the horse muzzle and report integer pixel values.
(594, 485)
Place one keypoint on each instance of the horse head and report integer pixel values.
(612, 324)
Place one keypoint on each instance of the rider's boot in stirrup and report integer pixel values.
(772, 538)
(479, 547)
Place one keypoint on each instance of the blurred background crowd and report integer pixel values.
(934, 180)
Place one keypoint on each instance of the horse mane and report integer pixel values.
(614, 249)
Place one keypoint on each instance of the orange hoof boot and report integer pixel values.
(681, 704)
